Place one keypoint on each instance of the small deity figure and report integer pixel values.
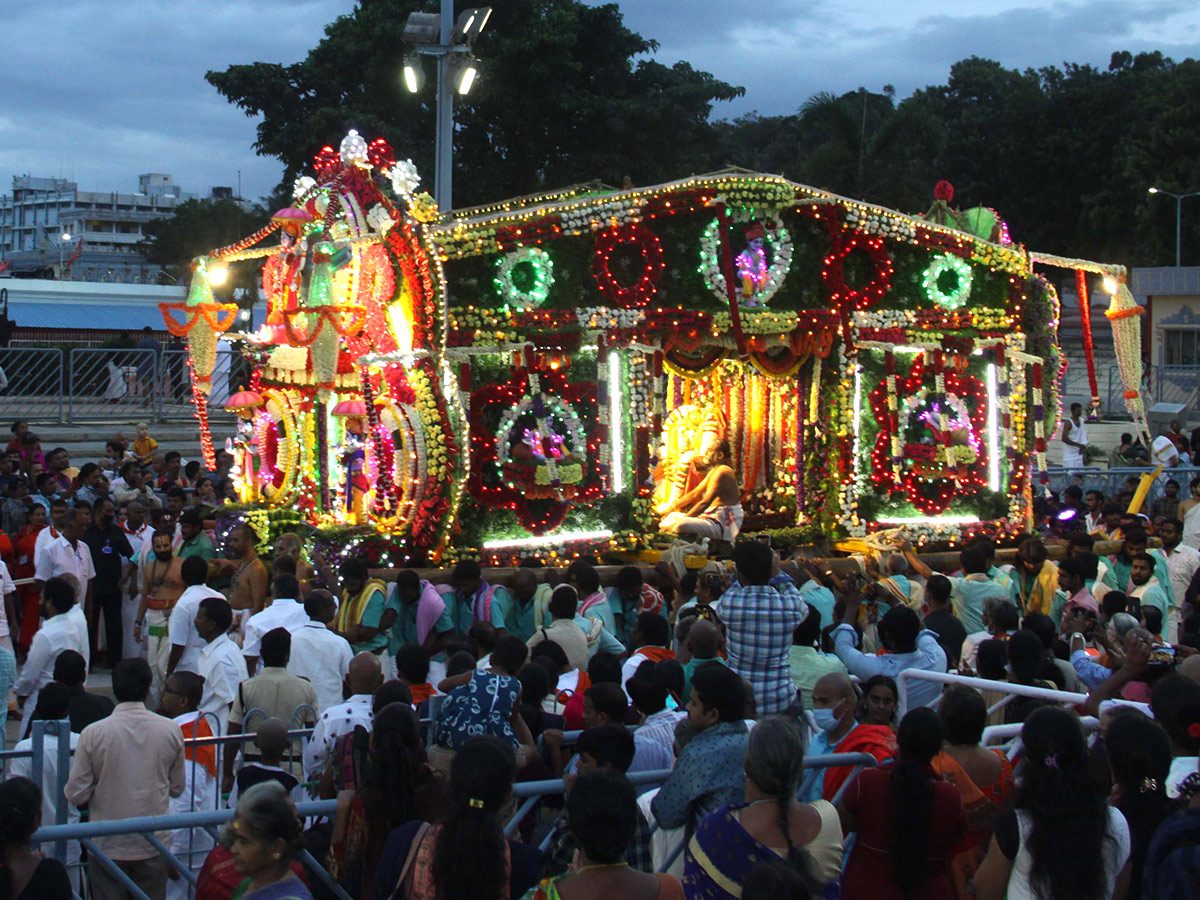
(752, 264)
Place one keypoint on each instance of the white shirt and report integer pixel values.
(1182, 563)
(284, 612)
(137, 538)
(324, 659)
(181, 628)
(223, 668)
(45, 538)
(59, 558)
(335, 722)
(1115, 853)
(57, 634)
(6, 587)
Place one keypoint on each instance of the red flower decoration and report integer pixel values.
(536, 515)
(380, 154)
(645, 286)
(844, 297)
(930, 496)
(327, 162)
(944, 190)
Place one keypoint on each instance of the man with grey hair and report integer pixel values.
(896, 587)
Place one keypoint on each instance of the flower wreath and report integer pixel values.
(843, 244)
(541, 269)
(943, 264)
(781, 245)
(645, 287)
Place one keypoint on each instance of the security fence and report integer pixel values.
(71, 385)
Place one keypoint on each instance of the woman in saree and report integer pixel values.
(263, 839)
(770, 825)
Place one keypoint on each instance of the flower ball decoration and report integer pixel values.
(524, 277)
(405, 178)
(947, 267)
(353, 149)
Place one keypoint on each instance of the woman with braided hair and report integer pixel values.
(24, 874)
(770, 825)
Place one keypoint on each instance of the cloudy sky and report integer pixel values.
(101, 90)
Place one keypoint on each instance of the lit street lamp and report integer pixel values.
(450, 41)
(1179, 198)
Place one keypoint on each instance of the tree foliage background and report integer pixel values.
(1064, 153)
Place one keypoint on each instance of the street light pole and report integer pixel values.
(1179, 198)
(444, 142)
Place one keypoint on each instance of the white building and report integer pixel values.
(43, 221)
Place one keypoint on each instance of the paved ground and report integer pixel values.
(98, 682)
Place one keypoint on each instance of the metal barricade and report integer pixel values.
(109, 383)
(1111, 482)
(32, 384)
(983, 684)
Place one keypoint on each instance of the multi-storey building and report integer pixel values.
(51, 229)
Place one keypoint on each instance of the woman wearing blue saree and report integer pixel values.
(770, 825)
(263, 839)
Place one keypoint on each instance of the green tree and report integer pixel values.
(197, 227)
(563, 98)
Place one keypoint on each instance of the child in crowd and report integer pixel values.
(144, 446)
(272, 744)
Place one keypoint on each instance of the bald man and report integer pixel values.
(1191, 667)
(362, 681)
(272, 743)
(834, 702)
(704, 644)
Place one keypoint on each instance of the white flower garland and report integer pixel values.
(405, 178)
(710, 257)
(543, 276)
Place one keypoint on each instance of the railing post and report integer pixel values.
(62, 730)
(62, 383)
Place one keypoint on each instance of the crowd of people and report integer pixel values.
(677, 707)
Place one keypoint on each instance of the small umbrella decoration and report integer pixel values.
(244, 403)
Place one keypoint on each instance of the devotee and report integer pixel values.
(320, 654)
(109, 549)
(704, 644)
(220, 662)
(162, 580)
(712, 509)
(285, 611)
(834, 705)
(908, 646)
(1182, 564)
(654, 739)
(563, 629)
(83, 707)
(970, 592)
(68, 556)
(470, 599)
(264, 839)
(363, 680)
(58, 633)
(115, 781)
(941, 619)
(1036, 577)
(1146, 589)
(1059, 833)
(1000, 620)
(807, 662)
(248, 575)
(772, 823)
(648, 640)
(907, 821)
(363, 617)
(26, 872)
(422, 615)
(708, 771)
(514, 608)
(180, 703)
(760, 616)
(186, 642)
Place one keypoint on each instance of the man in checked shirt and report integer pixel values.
(760, 614)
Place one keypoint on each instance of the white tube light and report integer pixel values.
(993, 426)
(857, 416)
(548, 539)
(615, 430)
(928, 520)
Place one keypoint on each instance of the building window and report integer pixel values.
(1181, 347)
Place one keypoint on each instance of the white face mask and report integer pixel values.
(827, 720)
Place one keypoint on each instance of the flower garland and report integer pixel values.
(842, 295)
(541, 276)
(645, 286)
(782, 248)
(947, 264)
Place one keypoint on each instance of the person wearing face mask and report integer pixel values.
(110, 548)
(834, 703)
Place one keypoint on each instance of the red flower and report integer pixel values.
(944, 190)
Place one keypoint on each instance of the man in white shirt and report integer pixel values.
(54, 704)
(283, 612)
(58, 633)
(69, 555)
(58, 515)
(1182, 563)
(366, 675)
(138, 531)
(1074, 438)
(319, 654)
(221, 663)
(186, 642)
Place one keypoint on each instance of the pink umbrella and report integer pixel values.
(244, 402)
(292, 220)
(350, 409)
